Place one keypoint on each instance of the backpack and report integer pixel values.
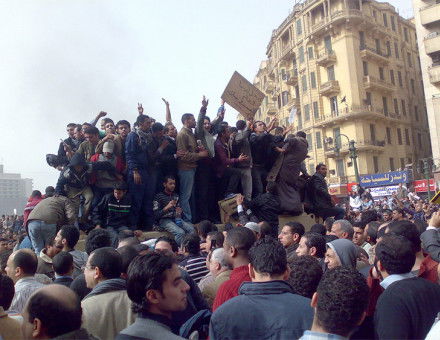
(199, 322)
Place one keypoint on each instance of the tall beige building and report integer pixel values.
(348, 67)
(427, 22)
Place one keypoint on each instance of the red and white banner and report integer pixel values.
(422, 185)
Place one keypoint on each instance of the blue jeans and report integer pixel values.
(40, 233)
(186, 178)
(179, 232)
(141, 204)
(114, 232)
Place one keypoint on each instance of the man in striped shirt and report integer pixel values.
(194, 263)
(21, 267)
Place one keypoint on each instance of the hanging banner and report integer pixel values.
(422, 185)
(388, 178)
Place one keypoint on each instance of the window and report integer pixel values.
(402, 163)
(365, 68)
(381, 76)
(280, 103)
(385, 106)
(408, 55)
(399, 77)
(312, 80)
(301, 54)
(389, 141)
(331, 73)
(396, 50)
(283, 74)
(393, 81)
(310, 52)
(368, 100)
(298, 27)
(315, 110)
(405, 33)
(402, 102)
(392, 164)
(306, 112)
(407, 137)
(300, 124)
(328, 44)
(409, 160)
(413, 88)
(334, 104)
(399, 136)
(388, 49)
(373, 132)
(340, 171)
(304, 83)
(416, 112)
(385, 19)
(285, 96)
(375, 164)
(377, 46)
(393, 24)
(309, 141)
(318, 139)
(361, 40)
(419, 140)
(396, 106)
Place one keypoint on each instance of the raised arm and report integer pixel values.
(168, 118)
(98, 117)
(220, 117)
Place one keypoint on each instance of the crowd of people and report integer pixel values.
(159, 264)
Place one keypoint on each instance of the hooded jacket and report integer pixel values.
(346, 251)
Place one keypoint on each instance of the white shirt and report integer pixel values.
(23, 290)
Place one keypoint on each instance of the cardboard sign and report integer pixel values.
(243, 96)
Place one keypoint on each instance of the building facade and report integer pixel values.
(14, 192)
(427, 22)
(344, 70)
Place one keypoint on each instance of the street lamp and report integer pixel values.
(353, 154)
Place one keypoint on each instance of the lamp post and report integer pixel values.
(353, 153)
(426, 170)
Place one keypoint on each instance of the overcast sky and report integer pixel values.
(64, 61)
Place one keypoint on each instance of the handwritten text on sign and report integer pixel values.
(243, 96)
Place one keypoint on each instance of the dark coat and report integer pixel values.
(262, 310)
(318, 192)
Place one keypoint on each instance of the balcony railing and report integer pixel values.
(329, 88)
(432, 43)
(430, 14)
(286, 52)
(269, 87)
(339, 16)
(270, 109)
(373, 83)
(354, 111)
(434, 74)
(374, 54)
(326, 58)
(291, 77)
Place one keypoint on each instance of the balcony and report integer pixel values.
(434, 74)
(287, 52)
(355, 112)
(374, 55)
(291, 77)
(330, 88)
(432, 43)
(293, 102)
(361, 146)
(430, 14)
(269, 87)
(326, 58)
(373, 83)
(345, 15)
(270, 109)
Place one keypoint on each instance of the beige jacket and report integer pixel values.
(105, 315)
(210, 291)
(54, 210)
(10, 329)
(186, 141)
